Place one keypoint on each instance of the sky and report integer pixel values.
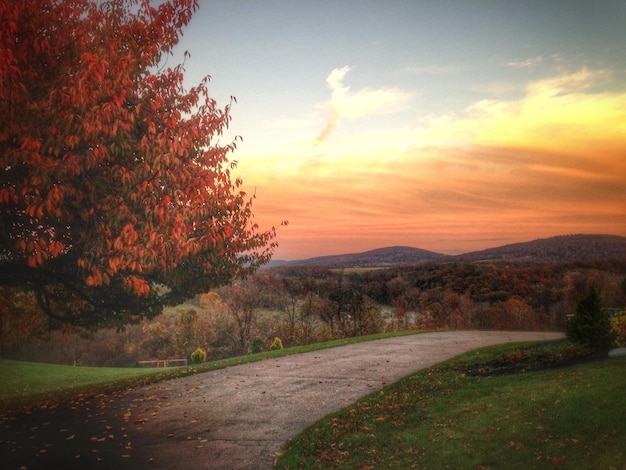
(450, 126)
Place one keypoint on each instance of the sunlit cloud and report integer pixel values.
(347, 104)
(555, 113)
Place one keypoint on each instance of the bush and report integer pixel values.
(198, 356)
(277, 344)
(618, 329)
(257, 346)
(590, 326)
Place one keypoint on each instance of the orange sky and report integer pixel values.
(551, 162)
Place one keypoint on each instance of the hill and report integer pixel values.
(566, 248)
(381, 257)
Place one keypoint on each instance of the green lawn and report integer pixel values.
(566, 418)
(27, 384)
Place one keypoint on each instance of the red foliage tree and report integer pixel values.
(115, 197)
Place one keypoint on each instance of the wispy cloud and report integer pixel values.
(347, 104)
(526, 63)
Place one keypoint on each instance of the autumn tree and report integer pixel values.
(186, 331)
(116, 196)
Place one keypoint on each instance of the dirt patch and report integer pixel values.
(531, 360)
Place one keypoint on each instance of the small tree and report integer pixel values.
(590, 326)
(242, 304)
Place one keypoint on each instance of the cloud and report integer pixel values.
(526, 63)
(347, 104)
(562, 112)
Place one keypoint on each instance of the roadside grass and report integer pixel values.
(26, 385)
(456, 415)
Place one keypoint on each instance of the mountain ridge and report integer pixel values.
(378, 257)
(560, 248)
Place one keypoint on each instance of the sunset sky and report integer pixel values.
(445, 125)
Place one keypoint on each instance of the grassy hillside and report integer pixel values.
(444, 417)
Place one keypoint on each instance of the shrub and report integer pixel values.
(277, 344)
(198, 356)
(590, 326)
(256, 346)
(618, 329)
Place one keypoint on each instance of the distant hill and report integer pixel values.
(567, 248)
(381, 257)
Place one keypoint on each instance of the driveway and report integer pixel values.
(235, 418)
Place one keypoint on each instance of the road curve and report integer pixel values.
(235, 418)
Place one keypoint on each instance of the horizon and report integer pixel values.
(450, 126)
(440, 252)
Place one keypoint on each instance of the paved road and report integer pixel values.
(235, 418)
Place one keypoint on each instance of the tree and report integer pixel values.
(242, 304)
(590, 325)
(400, 308)
(185, 331)
(158, 340)
(116, 197)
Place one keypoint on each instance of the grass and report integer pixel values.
(568, 418)
(25, 385)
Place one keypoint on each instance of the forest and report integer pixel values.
(307, 304)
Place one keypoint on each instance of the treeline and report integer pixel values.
(304, 305)
(464, 295)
